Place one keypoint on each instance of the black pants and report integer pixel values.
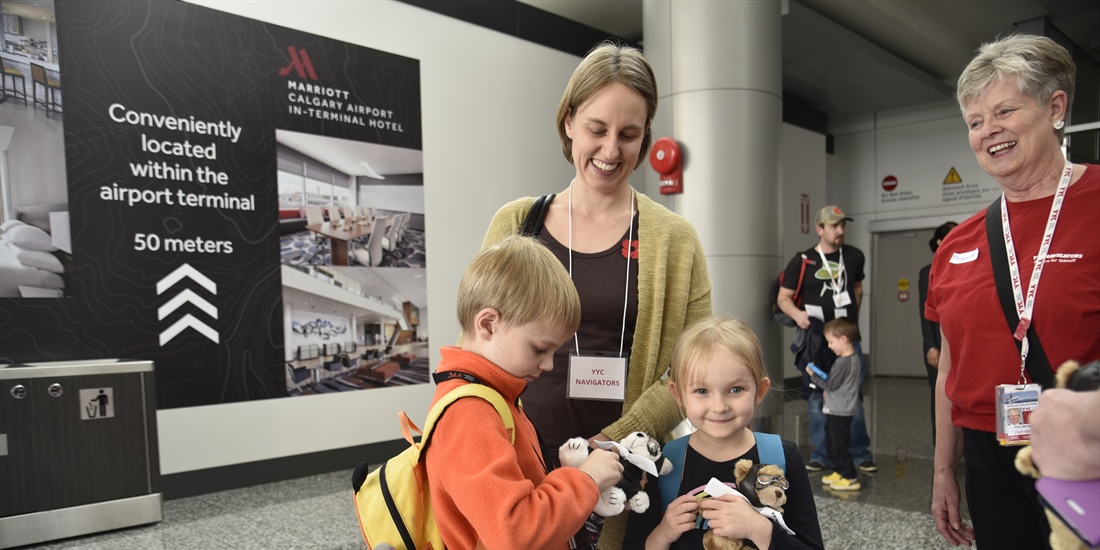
(838, 434)
(1003, 503)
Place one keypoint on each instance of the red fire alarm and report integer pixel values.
(665, 159)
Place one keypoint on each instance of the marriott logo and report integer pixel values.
(300, 63)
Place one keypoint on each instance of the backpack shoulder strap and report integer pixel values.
(532, 224)
(770, 449)
(468, 390)
(801, 275)
(674, 451)
(768, 446)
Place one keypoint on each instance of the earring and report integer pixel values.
(1058, 124)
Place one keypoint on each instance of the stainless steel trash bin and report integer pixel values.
(78, 449)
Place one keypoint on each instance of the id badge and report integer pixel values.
(595, 375)
(841, 299)
(1014, 404)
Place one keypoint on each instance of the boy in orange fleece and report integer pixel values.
(516, 304)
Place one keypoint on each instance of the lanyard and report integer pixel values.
(626, 293)
(1025, 305)
(834, 283)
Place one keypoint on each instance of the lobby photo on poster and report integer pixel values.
(171, 113)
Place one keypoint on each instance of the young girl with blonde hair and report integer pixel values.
(718, 380)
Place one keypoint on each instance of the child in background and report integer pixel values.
(718, 380)
(516, 305)
(841, 402)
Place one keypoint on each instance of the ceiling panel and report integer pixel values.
(855, 57)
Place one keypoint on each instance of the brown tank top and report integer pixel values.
(601, 281)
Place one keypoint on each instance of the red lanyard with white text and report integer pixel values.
(1025, 305)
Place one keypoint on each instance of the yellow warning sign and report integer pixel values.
(952, 177)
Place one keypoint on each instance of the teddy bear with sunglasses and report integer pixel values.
(765, 487)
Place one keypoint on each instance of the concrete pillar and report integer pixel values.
(719, 72)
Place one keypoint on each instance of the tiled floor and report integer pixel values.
(891, 512)
(892, 509)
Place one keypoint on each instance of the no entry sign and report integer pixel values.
(889, 183)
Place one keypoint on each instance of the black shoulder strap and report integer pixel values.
(443, 376)
(532, 224)
(1038, 366)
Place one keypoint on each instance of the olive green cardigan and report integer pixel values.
(673, 293)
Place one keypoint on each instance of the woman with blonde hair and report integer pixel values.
(638, 267)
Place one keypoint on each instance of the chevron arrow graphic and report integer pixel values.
(185, 322)
(180, 273)
(183, 298)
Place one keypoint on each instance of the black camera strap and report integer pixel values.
(1038, 366)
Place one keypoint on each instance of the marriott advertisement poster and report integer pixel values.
(187, 147)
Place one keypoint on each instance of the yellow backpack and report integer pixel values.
(394, 502)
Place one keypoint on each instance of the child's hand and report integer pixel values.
(679, 518)
(809, 371)
(603, 467)
(732, 516)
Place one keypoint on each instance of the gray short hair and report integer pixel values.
(1040, 66)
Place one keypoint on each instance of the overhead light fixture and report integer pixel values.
(369, 172)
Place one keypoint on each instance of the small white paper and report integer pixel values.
(841, 299)
(964, 257)
(642, 462)
(716, 488)
(598, 378)
(817, 312)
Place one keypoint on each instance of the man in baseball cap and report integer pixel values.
(831, 287)
(830, 215)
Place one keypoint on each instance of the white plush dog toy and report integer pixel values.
(641, 457)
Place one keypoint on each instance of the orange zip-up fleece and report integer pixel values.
(484, 488)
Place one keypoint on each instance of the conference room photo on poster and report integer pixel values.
(351, 230)
(178, 123)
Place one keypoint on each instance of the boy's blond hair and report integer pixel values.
(702, 340)
(842, 327)
(524, 282)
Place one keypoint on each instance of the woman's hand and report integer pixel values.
(945, 509)
(598, 437)
(679, 518)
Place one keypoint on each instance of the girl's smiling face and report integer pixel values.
(720, 396)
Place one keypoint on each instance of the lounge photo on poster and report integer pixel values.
(354, 328)
(349, 203)
(35, 249)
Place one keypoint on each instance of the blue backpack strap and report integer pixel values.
(674, 451)
(770, 449)
(768, 446)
